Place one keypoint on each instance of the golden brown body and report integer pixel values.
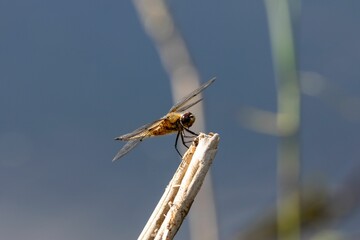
(173, 122)
(169, 124)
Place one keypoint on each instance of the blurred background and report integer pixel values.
(75, 74)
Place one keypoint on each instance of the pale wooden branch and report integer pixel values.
(179, 195)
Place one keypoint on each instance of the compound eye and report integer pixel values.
(187, 119)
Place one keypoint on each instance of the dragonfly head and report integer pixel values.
(187, 119)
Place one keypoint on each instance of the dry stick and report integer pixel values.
(179, 195)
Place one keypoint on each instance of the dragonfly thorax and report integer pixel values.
(187, 119)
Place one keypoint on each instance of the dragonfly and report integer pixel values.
(173, 122)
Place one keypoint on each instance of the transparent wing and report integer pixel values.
(141, 132)
(135, 137)
(181, 105)
(183, 108)
(127, 148)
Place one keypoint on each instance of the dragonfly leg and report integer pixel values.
(183, 140)
(186, 136)
(189, 139)
(176, 142)
(189, 131)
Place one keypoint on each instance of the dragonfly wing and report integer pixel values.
(127, 148)
(183, 108)
(141, 132)
(180, 104)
